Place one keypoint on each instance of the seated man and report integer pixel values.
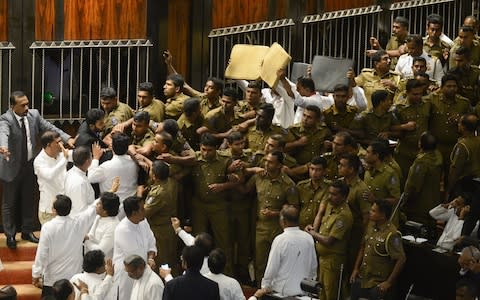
(147, 285)
(292, 258)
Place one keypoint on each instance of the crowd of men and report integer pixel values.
(272, 185)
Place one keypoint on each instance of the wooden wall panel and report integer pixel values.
(332, 5)
(227, 13)
(3, 20)
(44, 20)
(179, 34)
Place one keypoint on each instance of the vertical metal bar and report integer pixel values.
(32, 96)
(211, 55)
(118, 72)
(138, 70)
(304, 38)
(61, 82)
(99, 70)
(224, 56)
(9, 72)
(147, 63)
(129, 49)
(80, 88)
(109, 82)
(43, 82)
(1, 81)
(90, 74)
(71, 81)
(217, 69)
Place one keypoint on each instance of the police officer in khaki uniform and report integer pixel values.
(175, 97)
(467, 74)
(258, 135)
(447, 107)
(190, 121)
(466, 38)
(116, 112)
(343, 143)
(309, 136)
(413, 118)
(332, 239)
(274, 189)
(248, 107)
(378, 78)
(210, 99)
(154, 107)
(432, 43)
(142, 136)
(340, 115)
(274, 143)
(160, 206)
(422, 188)
(312, 191)
(380, 259)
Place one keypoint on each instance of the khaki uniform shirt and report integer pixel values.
(468, 83)
(310, 199)
(218, 122)
(205, 173)
(258, 160)
(359, 206)
(189, 130)
(316, 138)
(383, 246)
(331, 171)
(161, 202)
(146, 139)
(401, 92)
(156, 110)
(393, 44)
(466, 156)
(243, 106)
(118, 115)
(372, 124)
(257, 139)
(475, 53)
(337, 223)
(205, 105)
(334, 118)
(435, 50)
(383, 182)
(370, 82)
(174, 106)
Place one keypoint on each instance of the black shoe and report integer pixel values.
(11, 242)
(30, 237)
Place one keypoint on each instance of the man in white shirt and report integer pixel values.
(77, 186)
(229, 287)
(59, 253)
(147, 285)
(50, 166)
(97, 275)
(132, 236)
(100, 236)
(415, 48)
(292, 258)
(121, 165)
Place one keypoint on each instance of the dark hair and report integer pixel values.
(469, 121)
(136, 261)
(92, 260)
(217, 83)
(348, 139)
(315, 109)
(62, 205)
(231, 93)
(467, 29)
(171, 126)
(268, 109)
(217, 261)
(15, 95)
(177, 80)
(402, 21)
(279, 139)
(142, 116)
(434, 19)
(423, 75)
(319, 160)
(377, 56)
(160, 170)
(469, 285)
(80, 155)
(384, 206)
(353, 161)
(306, 83)
(255, 84)
(449, 77)
(166, 139)
(131, 204)
(290, 214)
(340, 88)
(342, 186)
(146, 87)
(428, 141)
(415, 39)
(207, 139)
(108, 93)
(110, 203)
(279, 155)
(62, 289)
(380, 149)
(193, 257)
(234, 136)
(204, 241)
(191, 106)
(464, 51)
(378, 97)
(419, 58)
(48, 137)
(94, 115)
(120, 143)
(413, 84)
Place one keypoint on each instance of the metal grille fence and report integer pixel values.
(6, 50)
(67, 76)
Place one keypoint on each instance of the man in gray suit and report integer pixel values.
(19, 132)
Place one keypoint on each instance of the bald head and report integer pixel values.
(289, 215)
(469, 122)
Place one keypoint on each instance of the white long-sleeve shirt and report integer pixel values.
(148, 287)
(59, 252)
(51, 174)
(292, 258)
(101, 235)
(79, 189)
(120, 165)
(434, 66)
(452, 230)
(98, 285)
(229, 287)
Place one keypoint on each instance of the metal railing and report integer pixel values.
(6, 50)
(67, 76)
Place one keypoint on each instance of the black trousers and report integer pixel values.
(373, 293)
(18, 196)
